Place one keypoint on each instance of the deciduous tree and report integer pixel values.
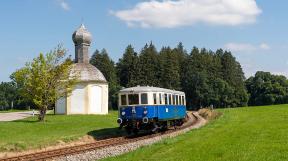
(46, 79)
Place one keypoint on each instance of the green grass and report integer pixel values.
(240, 134)
(29, 133)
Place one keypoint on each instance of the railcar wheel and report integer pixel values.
(128, 130)
(135, 131)
(155, 128)
(180, 122)
(164, 126)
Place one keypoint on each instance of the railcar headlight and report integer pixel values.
(133, 109)
(145, 120)
(119, 121)
(145, 111)
(123, 113)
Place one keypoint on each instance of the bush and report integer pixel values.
(209, 114)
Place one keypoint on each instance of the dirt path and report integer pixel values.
(11, 116)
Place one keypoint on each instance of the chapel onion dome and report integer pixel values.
(82, 36)
(82, 69)
(87, 73)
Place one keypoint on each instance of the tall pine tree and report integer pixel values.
(181, 54)
(149, 67)
(127, 68)
(233, 74)
(105, 64)
(169, 69)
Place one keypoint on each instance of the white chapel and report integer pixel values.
(90, 95)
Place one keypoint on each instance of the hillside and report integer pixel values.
(251, 133)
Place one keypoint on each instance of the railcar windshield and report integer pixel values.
(133, 99)
(144, 98)
(123, 100)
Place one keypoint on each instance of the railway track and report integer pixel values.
(48, 155)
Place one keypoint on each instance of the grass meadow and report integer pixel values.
(29, 133)
(240, 134)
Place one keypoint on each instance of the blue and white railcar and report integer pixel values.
(150, 108)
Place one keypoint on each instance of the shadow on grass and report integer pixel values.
(101, 134)
(27, 121)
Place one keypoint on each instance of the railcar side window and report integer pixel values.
(176, 99)
(154, 98)
(123, 99)
(182, 98)
(133, 99)
(160, 98)
(170, 99)
(166, 99)
(144, 98)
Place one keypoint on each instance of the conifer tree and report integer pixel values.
(170, 69)
(234, 76)
(149, 67)
(106, 65)
(127, 68)
(181, 54)
(205, 76)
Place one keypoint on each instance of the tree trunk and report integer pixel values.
(42, 113)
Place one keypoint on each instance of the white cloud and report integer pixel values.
(264, 46)
(246, 47)
(239, 47)
(175, 13)
(64, 5)
(284, 73)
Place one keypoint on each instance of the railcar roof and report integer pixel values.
(139, 89)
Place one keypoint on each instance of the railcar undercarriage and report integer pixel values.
(153, 126)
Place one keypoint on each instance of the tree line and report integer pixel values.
(207, 77)
(267, 89)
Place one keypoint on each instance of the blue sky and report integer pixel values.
(255, 31)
